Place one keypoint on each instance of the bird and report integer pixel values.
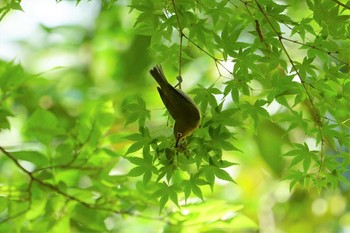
(180, 106)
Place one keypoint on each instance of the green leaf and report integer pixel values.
(142, 140)
(144, 167)
(4, 122)
(306, 163)
(162, 201)
(147, 177)
(166, 192)
(232, 88)
(187, 190)
(34, 157)
(136, 111)
(136, 171)
(222, 174)
(45, 175)
(11, 76)
(136, 160)
(146, 23)
(135, 147)
(205, 97)
(16, 5)
(198, 192)
(42, 124)
(192, 185)
(83, 215)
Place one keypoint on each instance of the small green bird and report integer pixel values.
(180, 106)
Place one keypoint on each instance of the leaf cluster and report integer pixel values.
(282, 86)
(196, 163)
(302, 64)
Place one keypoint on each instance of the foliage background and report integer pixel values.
(85, 145)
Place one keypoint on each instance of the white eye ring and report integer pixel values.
(179, 134)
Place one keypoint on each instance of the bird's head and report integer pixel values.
(183, 129)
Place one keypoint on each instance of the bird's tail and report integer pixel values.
(158, 75)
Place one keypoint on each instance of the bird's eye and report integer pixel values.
(179, 134)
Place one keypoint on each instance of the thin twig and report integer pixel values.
(66, 195)
(329, 53)
(181, 36)
(315, 48)
(313, 107)
(342, 4)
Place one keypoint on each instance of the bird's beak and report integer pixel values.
(177, 142)
(178, 137)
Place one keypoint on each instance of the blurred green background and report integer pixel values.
(79, 56)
